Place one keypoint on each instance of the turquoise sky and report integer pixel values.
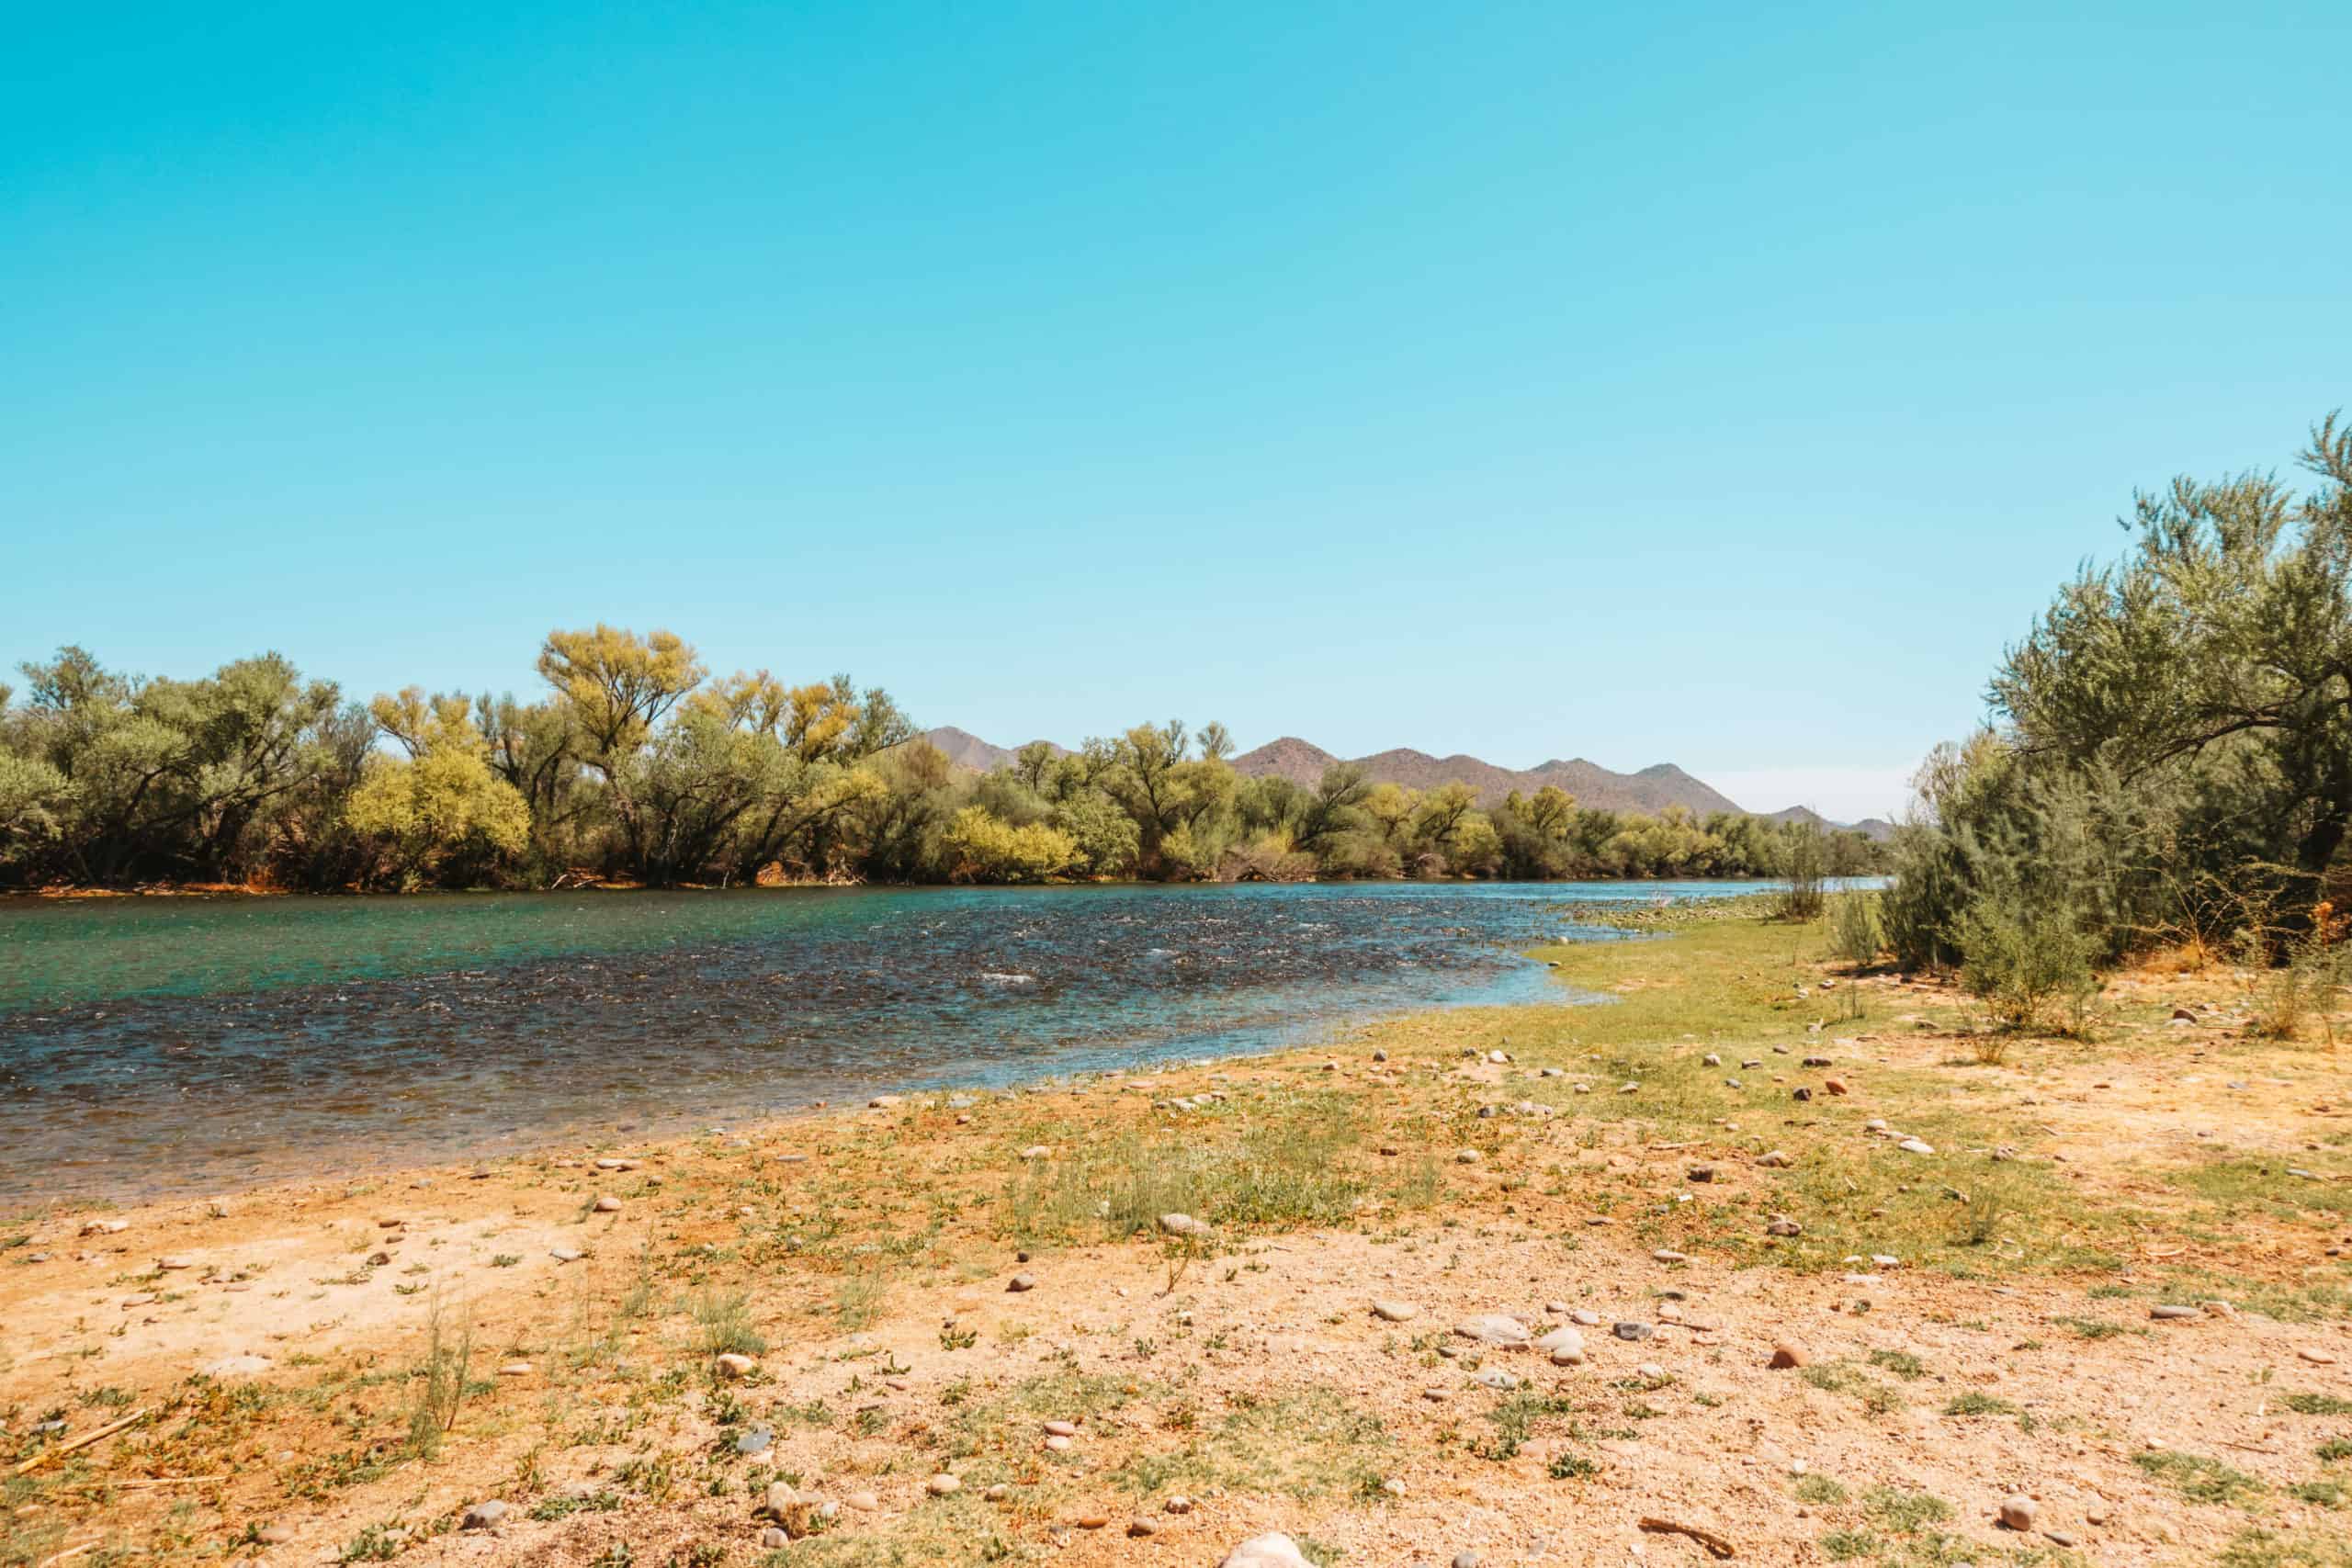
(1715, 383)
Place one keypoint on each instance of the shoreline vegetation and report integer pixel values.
(1884, 1266)
(638, 768)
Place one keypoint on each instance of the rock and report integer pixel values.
(173, 1263)
(757, 1441)
(1632, 1331)
(1061, 1429)
(1668, 1255)
(1711, 1059)
(1835, 1085)
(1467, 1156)
(1780, 1224)
(1394, 1486)
(863, 1502)
(483, 1516)
(732, 1365)
(1036, 1151)
(996, 1494)
(773, 1539)
(943, 1485)
(2316, 1358)
(1800, 1092)
(608, 1204)
(1139, 1526)
(515, 1370)
(1394, 1312)
(1495, 1377)
(1182, 1225)
(106, 1227)
(1178, 1505)
(1916, 1146)
(882, 1102)
(1465, 1560)
(2018, 1512)
(2169, 1312)
(1380, 1055)
(1493, 1329)
(1058, 1444)
(275, 1533)
(1564, 1344)
(1022, 1282)
(2058, 1538)
(1701, 1173)
(1266, 1551)
(567, 1255)
(1586, 1317)
(1788, 1353)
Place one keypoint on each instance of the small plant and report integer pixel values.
(2318, 1405)
(723, 1324)
(442, 1384)
(1820, 1490)
(1858, 928)
(1902, 1363)
(1571, 1467)
(507, 1261)
(2026, 957)
(1980, 1404)
(954, 1339)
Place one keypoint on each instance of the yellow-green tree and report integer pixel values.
(442, 808)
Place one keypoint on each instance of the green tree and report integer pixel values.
(2228, 627)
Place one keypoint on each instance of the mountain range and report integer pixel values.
(1650, 791)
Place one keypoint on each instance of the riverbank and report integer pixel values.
(1969, 1241)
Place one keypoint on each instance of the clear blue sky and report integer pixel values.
(1721, 383)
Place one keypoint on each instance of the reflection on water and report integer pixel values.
(156, 1045)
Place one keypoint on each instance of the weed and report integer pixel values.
(2199, 1479)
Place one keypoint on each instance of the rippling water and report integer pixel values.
(182, 1044)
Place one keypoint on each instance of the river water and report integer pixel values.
(159, 1045)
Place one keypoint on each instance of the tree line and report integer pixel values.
(2169, 759)
(635, 765)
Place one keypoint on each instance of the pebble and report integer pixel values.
(515, 1370)
(483, 1516)
(1495, 1377)
(773, 1539)
(1139, 1526)
(1495, 1329)
(1788, 1353)
(2058, 1538)
(1584, 1317)
(1668, 1255)
(1565, 1346)
(1058, 1444)
(567, 1255)
(1184, 1225)
(733, 1365)
(1394, 1312)
(942, 1485)
(1022, 1282)
(1467, 1156)
(1061, 1429)
(106, 1227)
(1178, 1505)
(1780, 1224)
(608, 1204)
(2169, 1312)
(1274, 1551)
(2018, 1512)
(1916, 1146)
(757, 1441)
(2317, 1357)
(996, 1494)
(1465, 1560)
(1036, 1151)
(1632, 1330)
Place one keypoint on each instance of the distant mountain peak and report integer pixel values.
(1650, 791)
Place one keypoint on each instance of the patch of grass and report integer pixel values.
(1820, 1490)
(1905, 1513)
(1839, 1377)
(2333, 1450)
(2200, 1479)
(1902, 1363)
(2260, 1548)
(1979, 1405)
(2092, 1328)
(2318, 1405)
(1292, 1165)
(1844, 1546)
(442, 1383)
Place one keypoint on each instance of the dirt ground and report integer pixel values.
(2114, 1283)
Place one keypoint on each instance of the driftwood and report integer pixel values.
(84, 1441)
(1715, 1544)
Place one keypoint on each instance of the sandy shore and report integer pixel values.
(919, 1287)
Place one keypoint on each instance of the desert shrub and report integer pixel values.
(1856, 930)
(2024, 957)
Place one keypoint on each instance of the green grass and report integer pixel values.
(2318, 1405)
(1979, 1405)
(2200, 1479)
(1820, 1490)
